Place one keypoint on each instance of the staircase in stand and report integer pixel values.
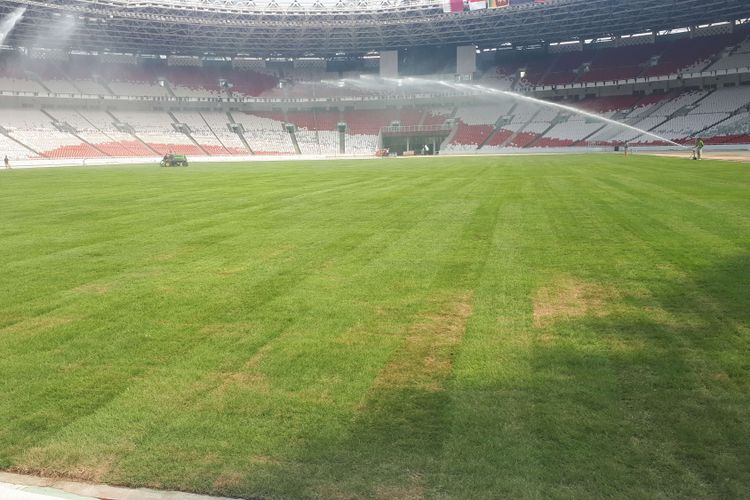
(6, 134)
(582, 142)
(509, 140)
(130, 130)
(214, 133)
(294, 141)
(186, 131)
(238, 131)
(67, 128)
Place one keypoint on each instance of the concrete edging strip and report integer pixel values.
(25, 487)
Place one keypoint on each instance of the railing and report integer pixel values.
(265, 7)
(646, 79)
(170, 99)
(415, 128)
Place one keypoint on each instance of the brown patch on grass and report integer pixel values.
(36, 324)
(348, 338)
(94, 288)
(249, 377)
(93, 473)
(546, 338)
(356, 336)
(96, 472)
(720, 376)
(227, 328)
(229, 271)
(263, 459)
(246, 380)
(426, 358)
(279, 250)
(335, 492)
(165, 257)
(568, 298)
(662, 316)
(626, 345)
(228, 480)
(411, 492)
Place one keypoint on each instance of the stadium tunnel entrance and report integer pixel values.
(414, 140)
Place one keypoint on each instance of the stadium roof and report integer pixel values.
(264, 28)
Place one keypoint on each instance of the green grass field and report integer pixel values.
(521, 327)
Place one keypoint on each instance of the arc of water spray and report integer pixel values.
(10, 21)
(571, 109)
(522, 97)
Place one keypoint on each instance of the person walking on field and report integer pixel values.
(7, 162)
(698, 149)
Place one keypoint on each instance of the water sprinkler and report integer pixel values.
(10, 21)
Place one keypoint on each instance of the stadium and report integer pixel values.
(409, 248)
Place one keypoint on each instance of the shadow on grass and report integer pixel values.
(650, 399)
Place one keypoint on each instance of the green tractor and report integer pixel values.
(172, 160)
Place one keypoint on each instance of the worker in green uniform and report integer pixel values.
(698, 149)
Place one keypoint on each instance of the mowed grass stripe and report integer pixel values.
(618, 369)
(652, 234)
(125, 304)
(473, 327)
(147, 244)
(684, 209)
(405, 413)
(178, 218)
(297, 270)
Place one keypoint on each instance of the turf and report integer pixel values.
(524, 327)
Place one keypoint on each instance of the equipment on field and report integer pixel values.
(173, 160)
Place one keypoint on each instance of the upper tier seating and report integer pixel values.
(737, 57)
(54, 79)
(314, 120)
(409, 117)
(369, 122)
(437, 116)
(688, 54)
(665, 57)
(193, 82)
(250, 83)
(14, 80)
(495, 77)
